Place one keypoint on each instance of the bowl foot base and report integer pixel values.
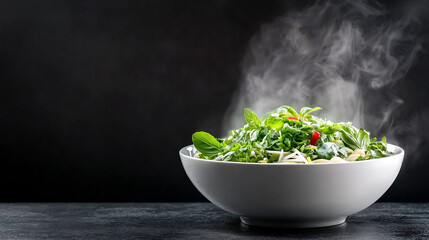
(292, 223)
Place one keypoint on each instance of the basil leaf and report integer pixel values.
(251, 117)
(363, 139)
(349, 129)
(274, 122)
(206, 143)
(291, 111)
(349, 140)
(306, 110)
(330, 129)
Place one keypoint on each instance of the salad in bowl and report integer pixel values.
(287, 136)
(292, 169)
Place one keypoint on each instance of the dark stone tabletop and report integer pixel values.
(194, 221)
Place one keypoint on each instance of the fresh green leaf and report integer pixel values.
(330, 129)
(281, 111)
(378, 148)
(206, 143)
(384, 140)
(306, 110)
(377, 153)
(291, 130)
(291, 111)
(363, 139)
(354, 138)
(348, 128)
(349, 140)
(276, 131)
(328, 150)
(251, 117)
(274, 122)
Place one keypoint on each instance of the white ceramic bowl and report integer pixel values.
(293, 195)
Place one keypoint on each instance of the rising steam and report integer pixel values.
(343, 56)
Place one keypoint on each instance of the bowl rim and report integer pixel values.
(401, 152)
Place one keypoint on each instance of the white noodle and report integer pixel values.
(296, 156)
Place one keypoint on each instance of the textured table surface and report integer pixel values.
(194, 221)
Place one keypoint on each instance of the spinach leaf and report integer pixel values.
(251, 117)
(328, 150)
(206, 143)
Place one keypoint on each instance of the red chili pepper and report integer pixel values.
(293, 118)
(314, 138)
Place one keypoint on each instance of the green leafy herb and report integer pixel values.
(251, 117)
(284, 129)
(363, 139)
(353, 138)
(291, 111)
(378, 149)
(306, 110)
(274, 122)
(329, 150)
(349, 140)
(206, 143)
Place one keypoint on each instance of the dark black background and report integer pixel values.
(97, 97)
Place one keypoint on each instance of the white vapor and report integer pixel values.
(344, 56)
